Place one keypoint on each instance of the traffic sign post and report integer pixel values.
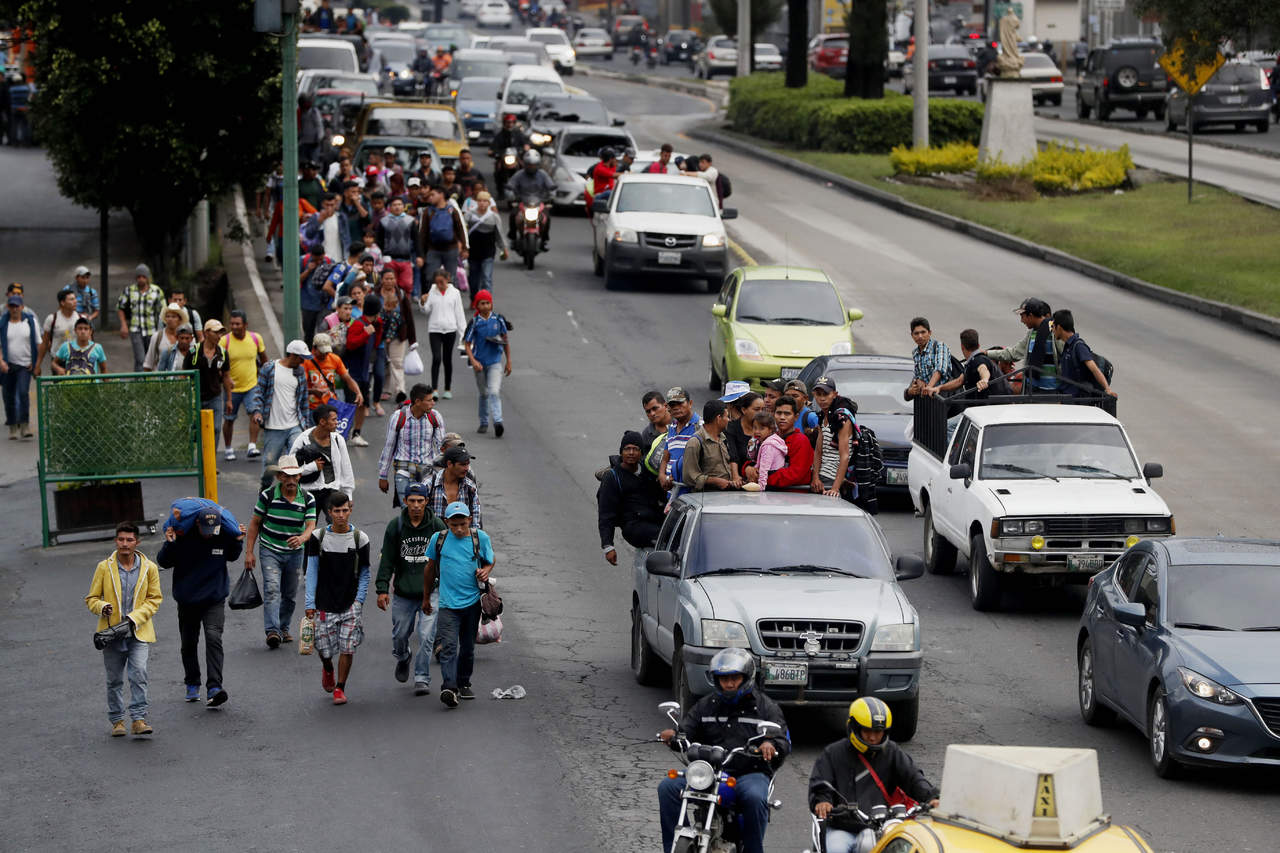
(1190, 82)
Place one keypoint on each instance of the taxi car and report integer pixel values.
(436, 122)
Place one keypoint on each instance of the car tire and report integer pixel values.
(597, 265)
(716, 382)
(1056, 100)
(1158, 111)
(644, 663)
(611, 281)
(1104, 111)
(1240, 126)
(1092, 711)
(1141, 114)
(984, 581)
(1159, 740)
(939, 554)
(906, 716)
(1263, 126)
(1082, 109)
(1170, 123)
(609, 56)
(680, 690)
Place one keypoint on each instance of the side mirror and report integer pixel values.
(662, 563)
(855, 314)
(729, 213)
(963, 471)
(1152, 471)
(908, 567)
(1133, 615)
(619, 122)
(767, 728)
(668, 707)
(600, 205)
(719, 309)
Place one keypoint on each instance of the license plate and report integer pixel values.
(1233, 99)
(1085, 562)
(669, 258)
(786, 673)
(790, 372)
(948, 80)
(895, 476)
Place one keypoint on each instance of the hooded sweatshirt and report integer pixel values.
(404, 554)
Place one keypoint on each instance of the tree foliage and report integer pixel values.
(152, 107)
(763, 15)
(1205, 24)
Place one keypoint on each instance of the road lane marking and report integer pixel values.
(251, 261)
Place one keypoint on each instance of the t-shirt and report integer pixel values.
(281, 518)
(243, 355)
(459, 588)
(283, 414)
(58, 329)
(337, 569)
(1075, 352)
(210, 370)
(318, 390)
(972, 376)
(485, 335)
(19, 334)
(81, 361)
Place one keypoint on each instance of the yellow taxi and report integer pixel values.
(1001, 799)
(437, 122)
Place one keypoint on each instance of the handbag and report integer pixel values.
(490, 602)
(124, 628)
(245, 594)
(899, 797)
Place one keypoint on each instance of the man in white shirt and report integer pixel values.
(60, 326)
(707, 172)
(280, 406)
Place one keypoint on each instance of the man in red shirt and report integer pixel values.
(798, 474)
(603, 176)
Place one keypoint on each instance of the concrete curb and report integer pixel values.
(718, 95)
(1149, 131)
(1244, 318)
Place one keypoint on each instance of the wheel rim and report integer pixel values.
(1086, 678)
(973, 575)
(928, 537)
(1159, 731)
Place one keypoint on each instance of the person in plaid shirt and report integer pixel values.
(414, 436)
(932, 359)
(451, 484)
(140, 308)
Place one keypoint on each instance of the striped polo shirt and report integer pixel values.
(281, 518)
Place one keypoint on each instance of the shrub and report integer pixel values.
(953, 158)
(1061, 169)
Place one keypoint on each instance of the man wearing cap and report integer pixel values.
(772, 390)
(81, 357)
(337, 582)
(211, 364)
(629, 498)
(140, 308)
(87, 301)
(807, 422)
(19, 344)
(325, 464)
(174, 357)
(414, 436)
(399, 586)
(461, 561)
(284, 517)
(280, 404)
(60, 326)
(1040, 351)
(425, 173)
(707, 464)
(489, 353)
(199, 556)
(684, 423)
(450, 484)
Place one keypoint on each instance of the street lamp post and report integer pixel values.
(744, 37)
(920, 86)
(289, 144)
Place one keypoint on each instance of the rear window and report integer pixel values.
(837, 44)
(1037, 60)
(589, 144)
(948, 52)
(1238, 74)
(549, 38)
(325, 56)
(1136, 53)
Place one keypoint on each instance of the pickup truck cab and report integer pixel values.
(804, 583)
(1034, 489)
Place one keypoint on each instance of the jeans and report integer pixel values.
(456, 631)
(275, 443)
(751, 798)
(190, 618)
(280, 571)
(133, 653)
(840, 841)
(407, 619)
(489, 384)
(437, 258)
(405, 474)
(309, 320)
(379, 374)
(217, 405)
(480, 273)
(442, 355)
(140, 342)
(17, 395)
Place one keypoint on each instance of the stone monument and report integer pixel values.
(1008, 125)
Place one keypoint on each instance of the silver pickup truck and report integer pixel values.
(806, 583)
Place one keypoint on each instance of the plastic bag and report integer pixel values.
(515, 691)
(413, 362)
(490, 631)
(306, 635)
(245, 594)
(460, 278)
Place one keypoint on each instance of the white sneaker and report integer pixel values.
(253, 451)
(230, 455)
(358, 440)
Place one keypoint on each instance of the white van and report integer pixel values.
(522, 84)
(337, 54)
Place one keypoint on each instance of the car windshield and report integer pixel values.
(1031, 451)
(406, 155)
(363, 85)
(875, 391)
(326, 56)
(445, 35)
(479, 89)
(581, 111)
(548, 38)
(723, 42)
(524, 91)
(655, 197)
(589, 144)
(1235, 598)
(432, 124)
(763, 543)
(681, 36)
(464, 68)
(767, 50)
(789, 302)
(592, 33)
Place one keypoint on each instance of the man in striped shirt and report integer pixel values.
(414, 436)
(283, 518)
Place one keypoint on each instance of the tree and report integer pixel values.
(797, 44)
(1205, 24)
(152, 107)
(867, 23)
(763, 15)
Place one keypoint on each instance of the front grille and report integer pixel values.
(895, 454)
(789, 635)
(1269, 710)
(1084, 525)
(672, 242)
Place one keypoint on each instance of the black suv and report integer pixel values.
(1123, 75)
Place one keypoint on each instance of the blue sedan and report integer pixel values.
(1181, 638)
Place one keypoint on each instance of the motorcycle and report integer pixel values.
(708, 822)
(635, 55)
(652, 59)
(880, 820)
(529, 238)
(504, 166)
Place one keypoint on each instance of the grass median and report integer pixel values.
(1221, 247)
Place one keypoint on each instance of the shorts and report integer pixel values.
(339, 633)
(249, 398)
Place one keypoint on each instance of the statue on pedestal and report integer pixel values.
(1010, 61)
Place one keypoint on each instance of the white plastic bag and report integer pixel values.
(490, 631)
(412, 362)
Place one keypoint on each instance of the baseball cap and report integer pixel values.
(185, 327)
(826, 383)
(371, 171)
(83, 270)
(796, 385)
(322, 343)
(15, 299)
(214, 326)
(419, 489)
(345, 300)
(390, 149)
(775, 385)
(457, 453)
(1031, 305)
(456, 510)
(415, 182)
(288, 464)
(677, 395)
(209, 522)
(734, 389)
(299, 348)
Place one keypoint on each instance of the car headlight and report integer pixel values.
(531, 214)
(338, 139)
(573, 54)
(539, 138)
(699, 775)
(748, 349)
(509, 160)
(466, 116)
(895, 638)
(1031, 527)
(712, 241)
(842, 348)
(1207, 688)
(406, 73)
(1159, 525)
(723, 633)
(1134, 525)
(625, 235)
(1010, 527)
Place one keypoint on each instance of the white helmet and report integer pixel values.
(532, 158)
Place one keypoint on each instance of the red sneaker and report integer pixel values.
(339, 698)
(327, 680)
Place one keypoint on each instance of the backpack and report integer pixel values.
(320, 275)
(80, 362)
(441, 228)
(1105, 366)
(868, 465)
(723, 185)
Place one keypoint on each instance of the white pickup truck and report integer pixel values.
(1033, 489)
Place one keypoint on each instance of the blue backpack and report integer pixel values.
(441, 225)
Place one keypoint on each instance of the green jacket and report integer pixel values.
(404, 554)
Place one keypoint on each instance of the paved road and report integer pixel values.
(563, 769)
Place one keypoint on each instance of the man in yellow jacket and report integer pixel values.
(129, 577)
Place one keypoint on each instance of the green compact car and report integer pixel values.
(769, 322)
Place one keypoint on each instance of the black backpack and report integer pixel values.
(723, 185)
(868, 465)
(320, 275)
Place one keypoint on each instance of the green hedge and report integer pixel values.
(820, 117)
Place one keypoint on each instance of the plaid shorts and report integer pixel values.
(339, 633)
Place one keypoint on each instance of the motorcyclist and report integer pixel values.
(867, 769)
(531, 181)
(729, 717)
(510, 136)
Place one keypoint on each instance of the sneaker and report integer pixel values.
(498, 429)
(141, 727)
(402, 670)
(25, 430)
(421, 688)
(217, 696)
(273, 640)
(230, 455)
(327, 681)
(287, 638)
(446, 395)
(483, 429)
(339, 698)
(118, 729)
(254, 452)
(449, 698)
(13, 432)
(465, 692)
(193, 692)
(358, 440)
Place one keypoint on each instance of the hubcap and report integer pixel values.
(1159, 730)
(1086, 678)
(928, 537)
(973, 575)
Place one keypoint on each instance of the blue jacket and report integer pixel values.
(200, 565)
(267, 390)
(31, 328)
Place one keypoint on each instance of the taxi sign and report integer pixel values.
(1171, 62)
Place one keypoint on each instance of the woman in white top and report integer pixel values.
(167, 338)
(445, 323)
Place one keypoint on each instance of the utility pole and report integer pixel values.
(920, 85)
(292, 319)
(744, 38)
(104, 288)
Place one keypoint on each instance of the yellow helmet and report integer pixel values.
(867, 712)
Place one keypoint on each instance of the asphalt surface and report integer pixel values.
(567, 767)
